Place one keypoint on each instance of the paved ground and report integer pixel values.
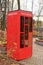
(37, 58)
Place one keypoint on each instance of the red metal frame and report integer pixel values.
(13, 35)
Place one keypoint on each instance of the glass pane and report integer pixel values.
(21, 40)
(26, 32)
(30, 28)
(26, 20)
(26, 43)
(22, 24)
(26, 36)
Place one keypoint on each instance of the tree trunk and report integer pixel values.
(4, 18)
(3, 23)
(18, 4)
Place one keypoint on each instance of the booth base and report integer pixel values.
(22, 54)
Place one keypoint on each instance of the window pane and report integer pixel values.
(26, 20)
(26, 32)
(21, 40)
(30, 25)
(22, 24)
(26, 43)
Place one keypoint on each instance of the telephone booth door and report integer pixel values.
(25, 37)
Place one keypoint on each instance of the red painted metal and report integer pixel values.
(13, 35)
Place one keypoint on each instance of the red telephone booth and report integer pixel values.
(19, 34)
